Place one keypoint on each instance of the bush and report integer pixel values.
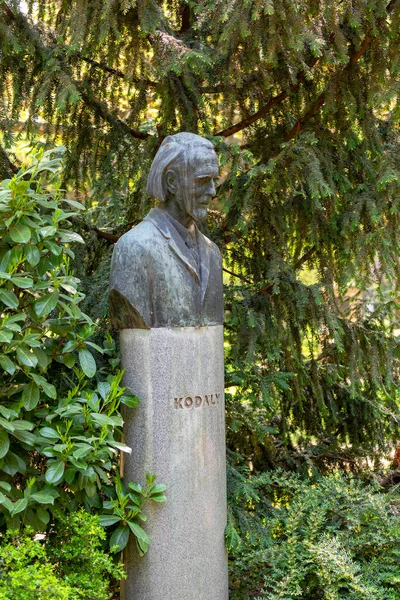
(60, 426)
(69, 565)
(334, 538)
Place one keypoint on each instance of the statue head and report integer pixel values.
(182, 175)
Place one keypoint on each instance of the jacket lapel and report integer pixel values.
(204, 246)
(175, 241)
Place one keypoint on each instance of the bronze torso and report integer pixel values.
(158, 280)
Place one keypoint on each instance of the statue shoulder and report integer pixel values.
(138, 240)
(212, 246)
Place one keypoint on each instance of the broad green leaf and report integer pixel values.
(158, 497)
(7, 364)
(55, 472)
(38, 379)
(158, 488)
(69, 346)
(4, 443)
(22, 425)
(82, 451)
(9, 426)
(42, 358)
(104, 389)
(21, 234)
(49, 389)
(69, 288)
(50, 433)
(43, 515)
(19, 506)
(74, 204)
(12, 463)
(95, 346)
(139, 532)
(136, 487)
(141, 546)
(120, 446)
(87, 362)
(9, 298)
(69, 360)
(26, 357)
(25, 437)
(13, 523)
(69, 474)
(53, 247)
(6, 502)
(8, 413)
(90, 489)
(32, 340)
(107, 520)
(22, 282)
(32, 254)
(105, 420)
(5, 336)
(46, 304)
(130, 401)
(42, 498)
(30, 396)
(48, 231)
(66, 236)
(119, 538)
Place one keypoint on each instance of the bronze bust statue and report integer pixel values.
(165, 272)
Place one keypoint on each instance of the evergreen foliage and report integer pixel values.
(331, 538)
(301, 101)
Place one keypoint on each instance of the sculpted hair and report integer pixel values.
(174, 150)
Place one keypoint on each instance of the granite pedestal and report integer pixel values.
(178, 433)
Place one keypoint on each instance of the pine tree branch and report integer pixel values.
(186, 22)
(274, 101)
(310, 112)
(100, 109)
(320, 101)
(7, 168)
(97, 106)
(238, 276)
(112, 238)
(303, 259)
(117, 72)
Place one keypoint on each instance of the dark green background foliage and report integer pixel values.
(301, 102)
(333, 538)
(309, 182)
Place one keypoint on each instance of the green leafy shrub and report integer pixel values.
(69, 565)
(60, 426)
(334, 538)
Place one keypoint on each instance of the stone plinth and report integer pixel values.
(178, 433)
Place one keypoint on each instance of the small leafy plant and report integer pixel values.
(126, 508)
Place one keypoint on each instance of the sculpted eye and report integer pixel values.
(206, 179)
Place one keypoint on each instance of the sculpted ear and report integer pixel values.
(171, 182)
